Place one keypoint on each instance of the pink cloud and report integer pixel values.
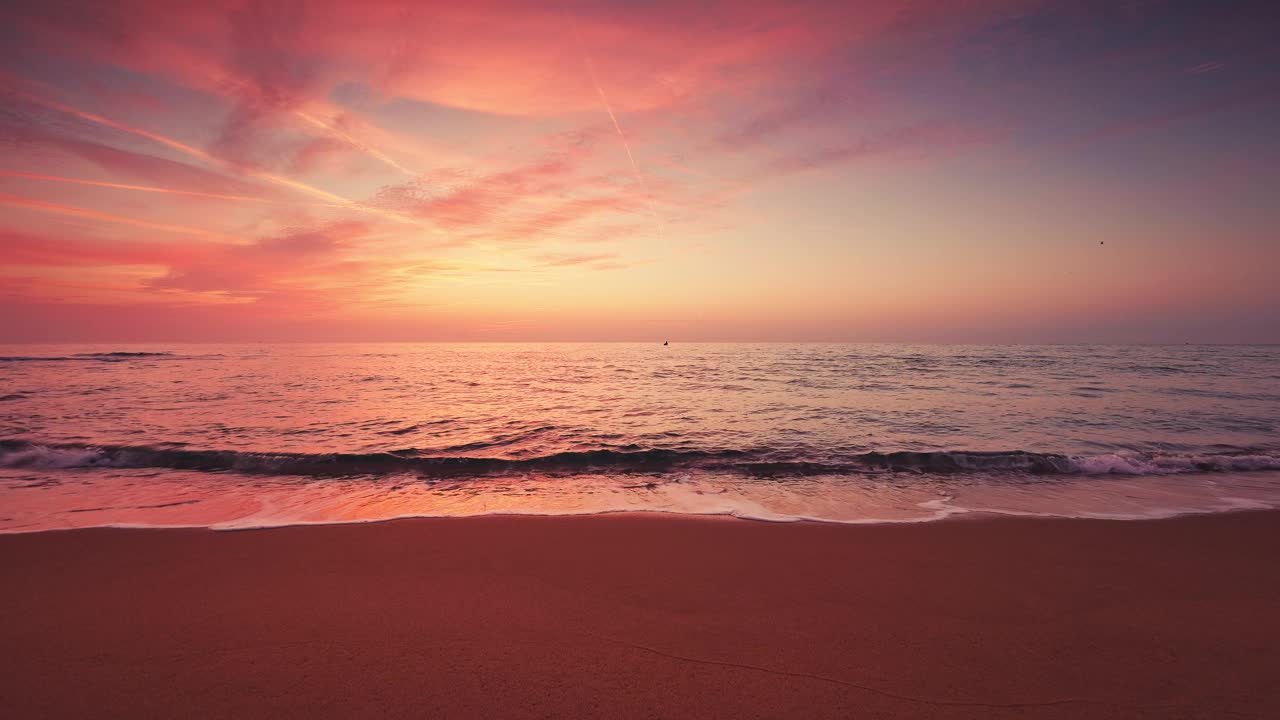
(304, 259)
(37, 249)
(271, 60)
(320, 266)
(503, 144)
(506, 57)
(527, 201)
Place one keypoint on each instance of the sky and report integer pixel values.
(894, 171)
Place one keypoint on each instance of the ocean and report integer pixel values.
(262, 435)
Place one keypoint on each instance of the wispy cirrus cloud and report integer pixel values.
(42, 206)
(28, 249)
(128, 164)
(138, 188)
(533, 200)
(314, 257)
(462, 200)
(321, 153)
(322, 265)
(591, 261)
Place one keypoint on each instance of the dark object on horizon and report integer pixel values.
(1102, 242)
(666, 343)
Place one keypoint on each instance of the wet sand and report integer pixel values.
(648, 616)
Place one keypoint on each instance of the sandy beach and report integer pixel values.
(647, 616)
(813, 359)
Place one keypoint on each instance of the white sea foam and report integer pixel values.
(229, 501)
(1170, 464)
(43, 456)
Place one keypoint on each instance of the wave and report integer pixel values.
(118, 356)
(121, 354)
(765, 463)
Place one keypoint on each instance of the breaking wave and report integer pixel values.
(18, 453)
(89, 357)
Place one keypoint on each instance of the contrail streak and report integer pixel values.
(626, 144)
(146, 188)
(371, 151)
(206, 157)
(604, 99)
(186, 149)
(42, 206)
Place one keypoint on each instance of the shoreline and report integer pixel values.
(643, 615)
(947, 515)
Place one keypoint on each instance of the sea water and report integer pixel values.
(237, 436)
